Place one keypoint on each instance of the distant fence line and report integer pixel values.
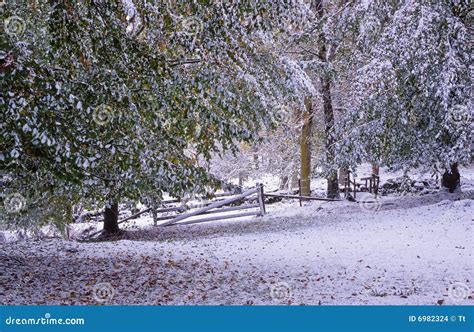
(220, 204)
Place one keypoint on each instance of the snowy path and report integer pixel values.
(325, 253)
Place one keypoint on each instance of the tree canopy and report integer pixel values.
(104, 100)
(108, 100)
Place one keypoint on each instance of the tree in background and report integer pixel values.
(411, 87)
(321, 52)
(103, 99)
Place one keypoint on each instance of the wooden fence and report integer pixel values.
(218, 207)
(222, 205)
(351, 185)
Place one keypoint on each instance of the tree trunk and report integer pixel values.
(242, 178)
(255, 161)
(452, 179)
(294, 181)
(154, 214)
(305, 146)
(283, 182)
(343, 171)
(333, 187)
(375, 169)
(111, 219)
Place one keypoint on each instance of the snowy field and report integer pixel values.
(399, 250)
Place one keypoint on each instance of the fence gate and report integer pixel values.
(218, 207)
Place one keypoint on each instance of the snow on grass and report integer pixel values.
(337, 255)
(406, 250)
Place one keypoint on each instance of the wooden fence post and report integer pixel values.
(299, 190)
(261, 198)
(153, 213)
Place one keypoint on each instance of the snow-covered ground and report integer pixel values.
(397, 250)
